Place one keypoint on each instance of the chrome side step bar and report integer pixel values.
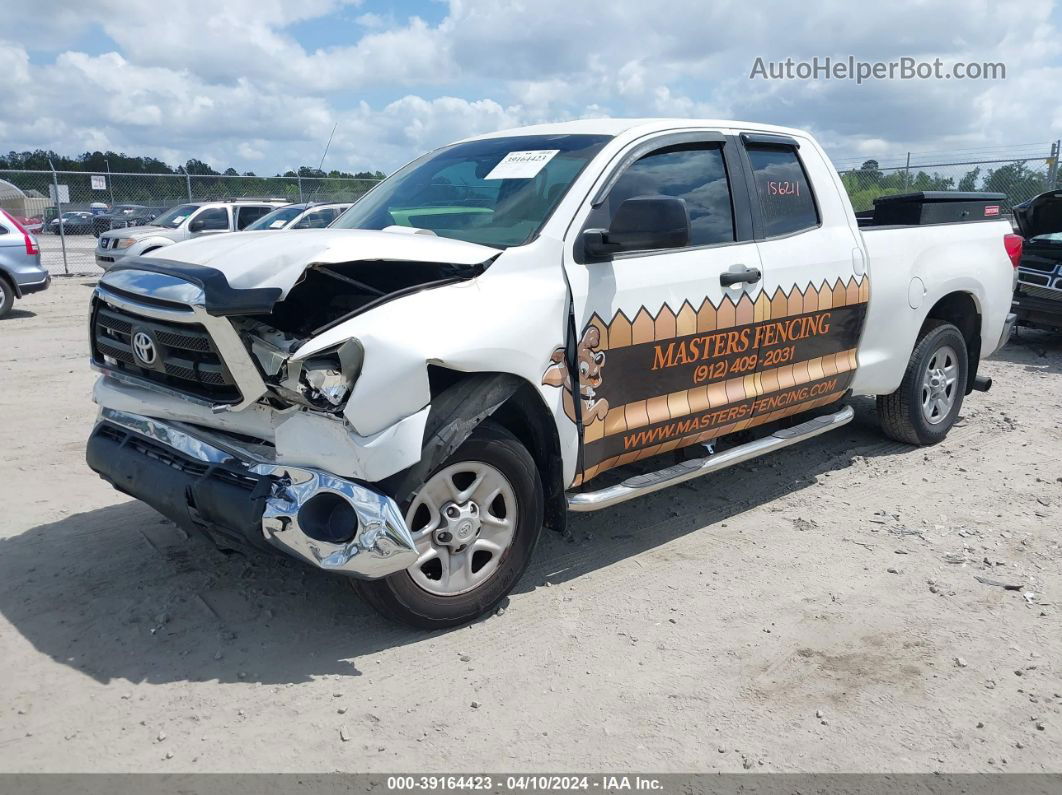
(688, 470)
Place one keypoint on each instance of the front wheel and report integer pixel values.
(930, 396)
(476, 521)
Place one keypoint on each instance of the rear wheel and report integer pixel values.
(930, 396)
(7, 297)
(476, 521)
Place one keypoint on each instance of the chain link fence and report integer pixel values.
(43, 197)
(1019, 179)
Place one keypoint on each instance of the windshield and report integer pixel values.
(277, 219)
(173, 217)
(498, 191)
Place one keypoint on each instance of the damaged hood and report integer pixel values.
(267, 259)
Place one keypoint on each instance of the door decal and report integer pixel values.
(680, 378)
(591, 361)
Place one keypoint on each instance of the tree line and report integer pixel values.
(97, 162)
(1017, 180)
(154, 182)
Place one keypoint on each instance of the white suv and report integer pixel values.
(182, 222)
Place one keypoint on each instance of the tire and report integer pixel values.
(926, 405)
(7, 297)
(424, 596)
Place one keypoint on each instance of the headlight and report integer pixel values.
(125, 242)
(329, 376)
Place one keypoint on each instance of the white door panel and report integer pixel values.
(665, 352)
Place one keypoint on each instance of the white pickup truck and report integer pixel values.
(489, 338)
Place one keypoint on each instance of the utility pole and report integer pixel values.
(59, 212)
(1052, 165)
(110, 184)
(907, 173)
(188, 182)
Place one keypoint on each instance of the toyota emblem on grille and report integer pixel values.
(144, 348)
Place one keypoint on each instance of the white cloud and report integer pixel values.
(243, 82)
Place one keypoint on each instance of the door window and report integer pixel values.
(783, 190)
(248, 215)
(318, 219)
(694, 173)
(212, 220)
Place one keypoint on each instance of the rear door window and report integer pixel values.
(782, 189)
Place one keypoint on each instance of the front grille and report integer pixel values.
(184, 359)
(1040, 270)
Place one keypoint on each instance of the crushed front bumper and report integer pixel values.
(236, 490)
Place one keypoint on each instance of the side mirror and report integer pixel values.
(198, 225)
(642, 223)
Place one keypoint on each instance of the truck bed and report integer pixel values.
(910, 265)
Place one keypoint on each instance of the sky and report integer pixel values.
(258, 85)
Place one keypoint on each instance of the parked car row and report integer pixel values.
(136, 229)
(125, 215)
(74, 222)
(195, 219)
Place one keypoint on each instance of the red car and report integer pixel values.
(32, 225)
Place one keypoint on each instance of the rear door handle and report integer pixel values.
(748, 275)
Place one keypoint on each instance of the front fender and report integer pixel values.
(452, 417)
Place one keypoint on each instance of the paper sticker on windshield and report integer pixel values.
(277, 224)
(522, 165)
(178, 219)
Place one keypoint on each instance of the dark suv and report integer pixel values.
(123, 215)
(1038, 295)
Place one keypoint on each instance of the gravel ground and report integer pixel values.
(818, 610)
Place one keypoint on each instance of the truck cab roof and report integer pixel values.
(615, 127)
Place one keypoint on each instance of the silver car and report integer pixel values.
(182, 222)
(306, 215)
(20, 263)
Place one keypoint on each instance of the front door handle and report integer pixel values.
(748, 275)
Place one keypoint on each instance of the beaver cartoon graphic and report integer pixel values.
(590, 363)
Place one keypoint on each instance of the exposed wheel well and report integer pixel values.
(960, 310)
(525, 416)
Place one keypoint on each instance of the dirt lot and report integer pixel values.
(817, 610)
